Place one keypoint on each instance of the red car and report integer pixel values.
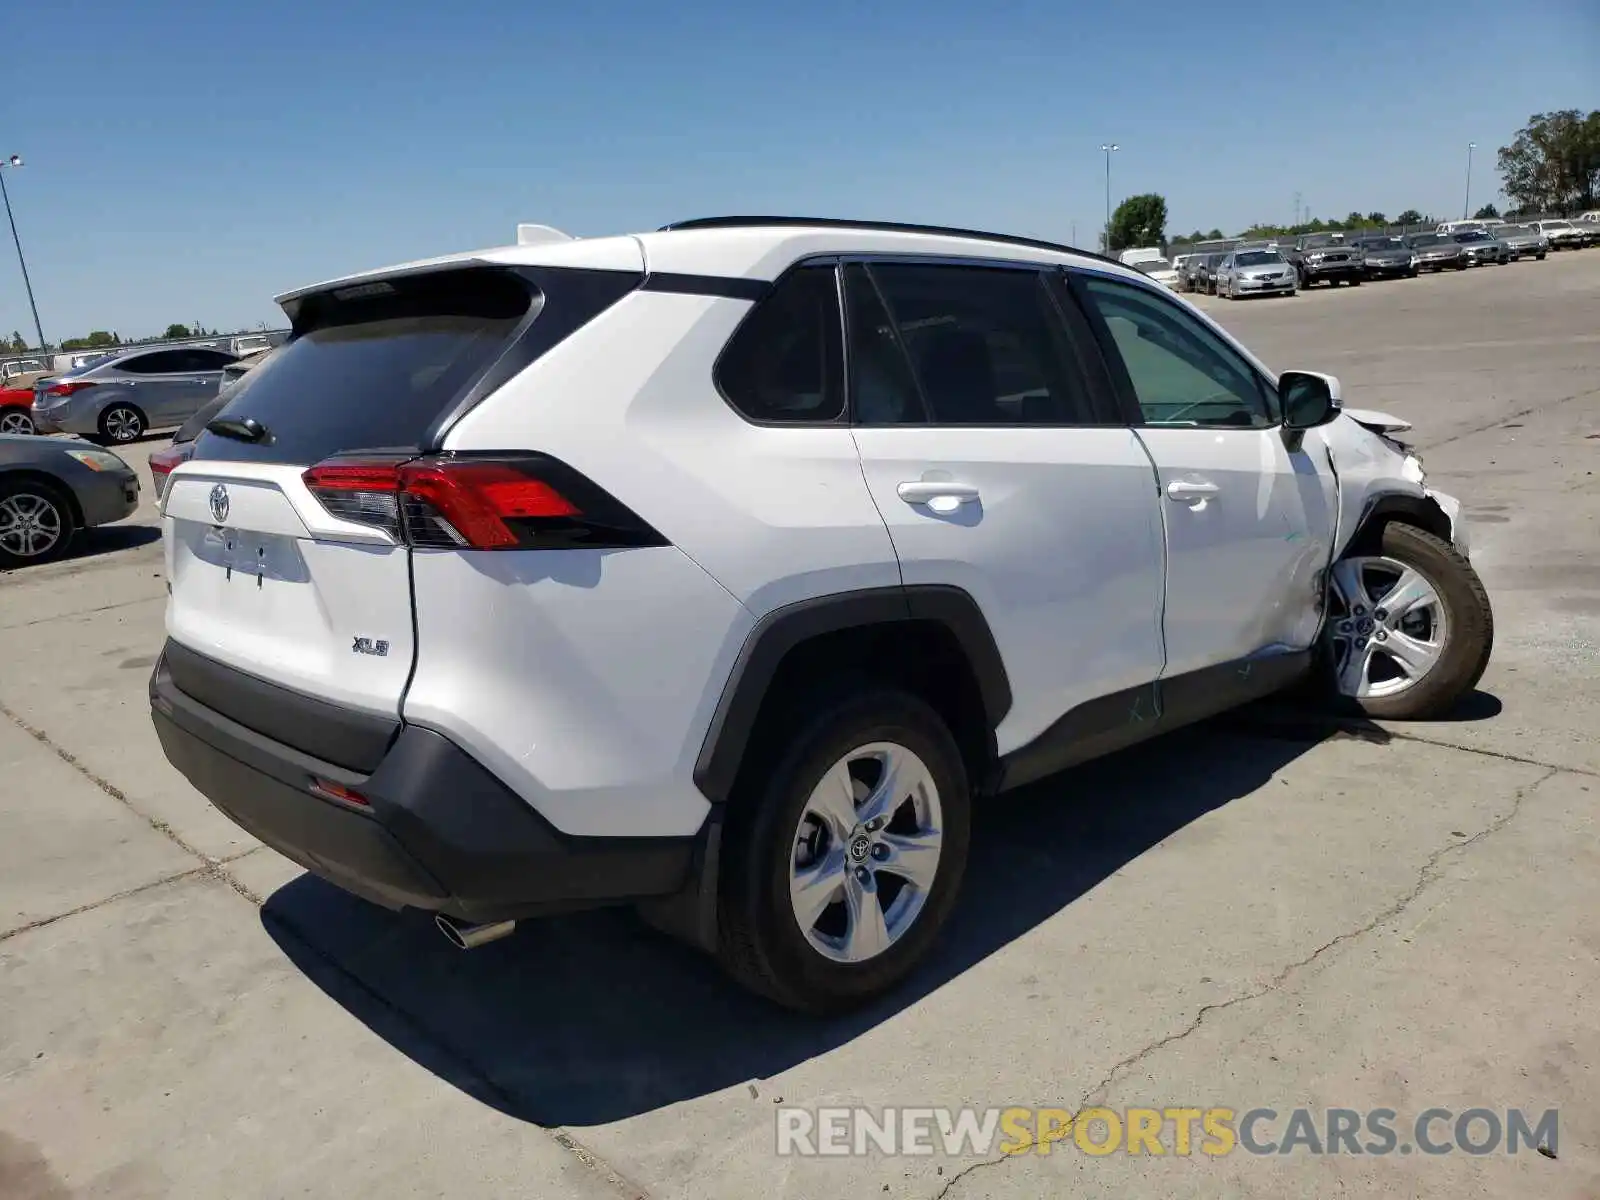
(16, 410)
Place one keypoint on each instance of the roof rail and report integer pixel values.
(885, 226)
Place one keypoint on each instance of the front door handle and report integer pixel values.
(938, 494)
(1184, 489)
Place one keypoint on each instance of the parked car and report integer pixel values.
(49, 490)
(16, 410)
(19, 372)
(1160, 270)
(1479, 248)
(76, 359)
(1327, 258)
(1436, 252)
(1522, 241)
(1255, 272)
(119, 399)
(182, 449)
(252, 343)
(411, 669)
(1387, 257)
(1589, 231)
(1206, 271)
(1560, 233)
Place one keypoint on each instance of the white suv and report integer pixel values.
(723, 569)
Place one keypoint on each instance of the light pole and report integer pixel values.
(1467, 204)
(6, 164)
(1110, 148)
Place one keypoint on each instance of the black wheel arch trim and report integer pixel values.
(781, 630)
(1421, 511)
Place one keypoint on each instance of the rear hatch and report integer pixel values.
(309, 591)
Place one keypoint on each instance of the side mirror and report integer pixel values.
(1308, 399)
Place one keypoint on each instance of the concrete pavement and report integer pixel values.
(1251, 913)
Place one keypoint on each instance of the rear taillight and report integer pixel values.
(162, 463)
(478, 502)
(68, 387)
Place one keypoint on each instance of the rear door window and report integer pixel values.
(160, 362)
(376, 365)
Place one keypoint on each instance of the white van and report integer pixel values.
(1463, 226)
(1139, 254)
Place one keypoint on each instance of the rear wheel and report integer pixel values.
(845, 859)
(121, 424)
(35, 523)
(16, 420)
(1409, 628)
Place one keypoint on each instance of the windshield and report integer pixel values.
(1318, 240)
(1472, 235)
(1558, 225)
(1257, 258)
(1151, 265)
(1429, 239)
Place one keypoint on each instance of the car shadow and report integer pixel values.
(594, 1017)
(107, 539)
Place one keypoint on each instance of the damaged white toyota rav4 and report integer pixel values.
(723, 569)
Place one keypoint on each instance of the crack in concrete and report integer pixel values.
(41, 922)
(1426, 875)
(216, 868)
(87, 612)
(210, 866)
(1516, 416)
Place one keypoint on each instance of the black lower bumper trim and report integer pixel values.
(442, 833)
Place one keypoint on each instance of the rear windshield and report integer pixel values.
(375, 365)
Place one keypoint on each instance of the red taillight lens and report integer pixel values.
(527, 502)
(472, 501)
(69, 387)
(162, 463)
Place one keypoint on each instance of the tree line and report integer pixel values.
(109, 339)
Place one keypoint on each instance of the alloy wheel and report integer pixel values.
(1387, 626)
(15, 421)
(866, 852)
(30, 524)
(123, 424)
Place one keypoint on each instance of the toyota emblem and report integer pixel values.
(219, 503)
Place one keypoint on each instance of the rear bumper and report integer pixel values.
(439, 832)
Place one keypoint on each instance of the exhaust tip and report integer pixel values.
(464, 935)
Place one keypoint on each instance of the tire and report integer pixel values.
(762, 943)
(29, 510)
(1450, 632)
(1355, 281)
(121, 424)
(17, 421)
(1539, 257)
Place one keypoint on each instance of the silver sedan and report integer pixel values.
(119, 399)
(1255, 273)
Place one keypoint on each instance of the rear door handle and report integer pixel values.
(930, 491)
(1183, 489)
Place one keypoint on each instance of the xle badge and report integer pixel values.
(375, 646)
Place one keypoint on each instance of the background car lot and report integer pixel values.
(1246, 915)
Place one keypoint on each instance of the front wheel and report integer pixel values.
(1409, 628)
(16, 420)
(1355, 281)
(35, 524)
(844, 858)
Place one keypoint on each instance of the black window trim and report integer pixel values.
(840, 364)
(1111, 355)
(1096, 385)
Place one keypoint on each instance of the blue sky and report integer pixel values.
(187, 160)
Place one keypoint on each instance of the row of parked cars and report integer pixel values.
(1284, 266)
(52, 487)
